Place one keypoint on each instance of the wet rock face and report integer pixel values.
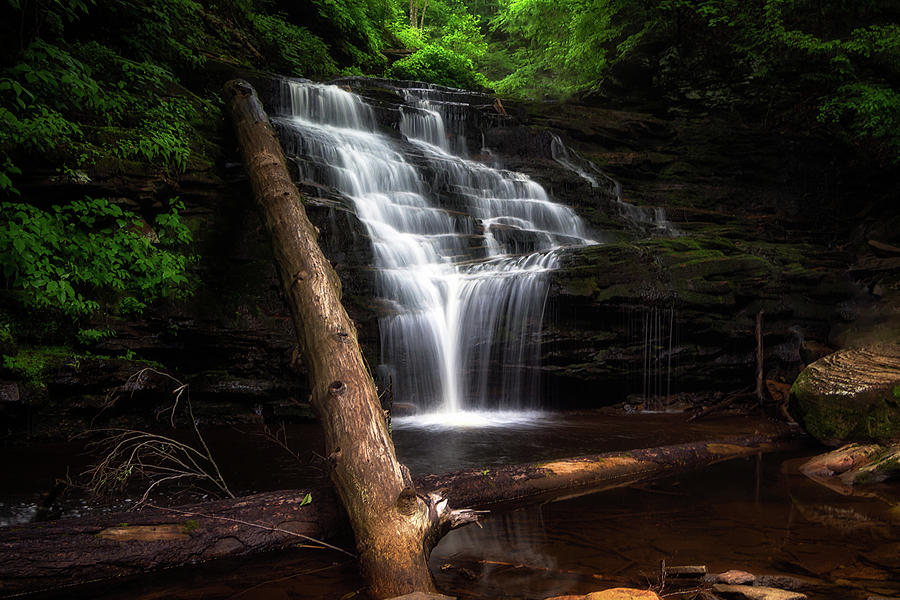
(851, 395)
(654, 311)
(761, 218)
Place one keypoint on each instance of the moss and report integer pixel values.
(191, 525)
(33, 365)
(835, 417)
(581, 286)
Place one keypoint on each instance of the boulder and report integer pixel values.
(851, 395)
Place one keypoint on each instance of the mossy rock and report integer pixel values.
(851, 395)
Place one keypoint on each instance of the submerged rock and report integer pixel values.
(732, 577)
(613, 594)
(749, 592)
(884, 466)
(738, 578)
(851, 395)
(836, 462)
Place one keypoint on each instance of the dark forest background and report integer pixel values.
(99, 88)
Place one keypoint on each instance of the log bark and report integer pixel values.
(50, 555)
(565, 478)
(58, 554)
(390, 521)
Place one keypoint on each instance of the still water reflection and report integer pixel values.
(754, 514)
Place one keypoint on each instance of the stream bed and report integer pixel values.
(757, 514)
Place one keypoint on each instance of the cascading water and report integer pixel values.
(653, 218)
(461, 250)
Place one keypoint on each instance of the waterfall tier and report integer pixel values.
(461, 249)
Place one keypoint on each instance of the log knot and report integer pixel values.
(337, 388)
(407, 502)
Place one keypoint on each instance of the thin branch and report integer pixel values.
(189, 513)
(157, 458)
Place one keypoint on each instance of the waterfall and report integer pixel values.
(461, 250)
(645, 217)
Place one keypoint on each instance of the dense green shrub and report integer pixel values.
(436, 64)
(300, 52)
(69, 257)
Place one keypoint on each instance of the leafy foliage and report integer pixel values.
(64, 258)
(438, 65)
(300, 52)
(843, 58)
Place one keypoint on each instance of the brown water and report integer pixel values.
(754, 514)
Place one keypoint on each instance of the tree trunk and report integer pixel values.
(389, 520)
(50, 555)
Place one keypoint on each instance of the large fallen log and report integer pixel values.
(51, 555)
(571, 477)
(56, 554)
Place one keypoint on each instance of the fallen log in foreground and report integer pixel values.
(50, 555)
(53, 554)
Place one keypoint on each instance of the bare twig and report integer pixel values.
(128, 454)
(189, 513)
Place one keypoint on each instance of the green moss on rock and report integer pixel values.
(850, 396)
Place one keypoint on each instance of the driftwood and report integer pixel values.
(390, 521)
(51, 555)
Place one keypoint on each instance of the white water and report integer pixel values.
(654, 218)
(461, 250)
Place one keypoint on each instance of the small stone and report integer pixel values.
(732, 577)
(749, 592)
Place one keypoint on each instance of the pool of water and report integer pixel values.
(757, 514)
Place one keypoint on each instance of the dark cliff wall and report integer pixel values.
(761, 221)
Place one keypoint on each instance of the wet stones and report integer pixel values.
(854, 464)
(742, 585)
(613, 594)
(749, 592)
